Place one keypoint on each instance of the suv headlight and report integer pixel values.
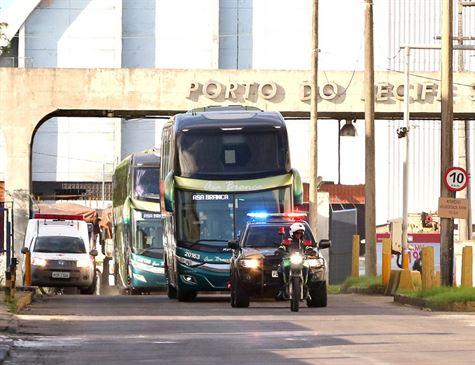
(315, 262)
(187, 262)
(83, 262)
(250, 263)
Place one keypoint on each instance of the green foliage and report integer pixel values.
(3, 39)
(445, 295)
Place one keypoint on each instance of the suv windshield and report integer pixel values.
(146, 183)
(59, 244)
(267, 235)
(214, 218)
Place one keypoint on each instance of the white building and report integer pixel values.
(234, 34)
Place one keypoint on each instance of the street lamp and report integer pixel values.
(348, 130)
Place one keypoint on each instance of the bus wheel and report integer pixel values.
(134, 291)
(185, 295)
(171, 292)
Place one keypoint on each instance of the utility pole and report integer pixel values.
(405, 134)
(446, 142)
(370, 186)
(313, 203)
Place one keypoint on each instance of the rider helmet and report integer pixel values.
(296, 227)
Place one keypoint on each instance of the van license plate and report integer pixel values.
(60, 275)
(275, 274)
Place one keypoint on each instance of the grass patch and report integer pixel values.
(12, 306)
(372, 284)
(334, 289)
(442, 296)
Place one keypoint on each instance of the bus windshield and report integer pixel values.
(148, 235)
(203, 154)
(146, 183)
(215, 218)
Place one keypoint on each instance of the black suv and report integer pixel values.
(255, 260)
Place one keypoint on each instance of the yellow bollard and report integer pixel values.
(355, 259)
(427, 267)
(386, 261)
(27, 269)
(405, 281)
(405, 260)
(467, 267)
(436, 282)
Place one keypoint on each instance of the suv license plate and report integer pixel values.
(60, 275)
(275, 274)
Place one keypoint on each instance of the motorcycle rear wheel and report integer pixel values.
(295, 298)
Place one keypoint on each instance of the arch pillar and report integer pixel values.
(18, 131)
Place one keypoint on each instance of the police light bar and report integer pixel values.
(288, 216)
(258, 215)
(60, 217)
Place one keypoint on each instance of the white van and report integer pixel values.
(61, 255)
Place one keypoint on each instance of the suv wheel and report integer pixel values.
(318, 295)
(239, 296)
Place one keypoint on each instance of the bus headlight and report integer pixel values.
(250, 263)
(296, 258)
(37, 261)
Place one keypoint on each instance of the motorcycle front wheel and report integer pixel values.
(295, 298)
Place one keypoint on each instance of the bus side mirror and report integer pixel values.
(324, 244)
(233, 244)
(25, 250)
(169, 192)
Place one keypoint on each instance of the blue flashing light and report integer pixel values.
(258, 215)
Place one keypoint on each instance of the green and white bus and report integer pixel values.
(138, 224)
(218, 164)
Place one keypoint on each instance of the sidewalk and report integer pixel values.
(7, 326)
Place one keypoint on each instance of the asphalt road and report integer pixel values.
(73, 329)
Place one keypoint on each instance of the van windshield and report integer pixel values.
(59, 244)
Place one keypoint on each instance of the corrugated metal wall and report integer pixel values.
(416, 21)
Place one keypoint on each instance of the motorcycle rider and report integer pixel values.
(296, 231)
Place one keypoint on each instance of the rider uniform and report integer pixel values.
(296, 231)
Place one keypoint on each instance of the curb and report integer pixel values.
(24, 299)
(422, 303)
(364, 291)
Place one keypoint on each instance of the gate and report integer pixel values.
(343, 225)
(6, 236)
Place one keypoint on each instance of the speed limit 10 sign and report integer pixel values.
(456, 179)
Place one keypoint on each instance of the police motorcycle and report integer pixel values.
(303, 271)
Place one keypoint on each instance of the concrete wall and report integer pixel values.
(74, 34)
(236, 33)
(176, 21)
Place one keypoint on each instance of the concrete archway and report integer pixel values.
(30, 96)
